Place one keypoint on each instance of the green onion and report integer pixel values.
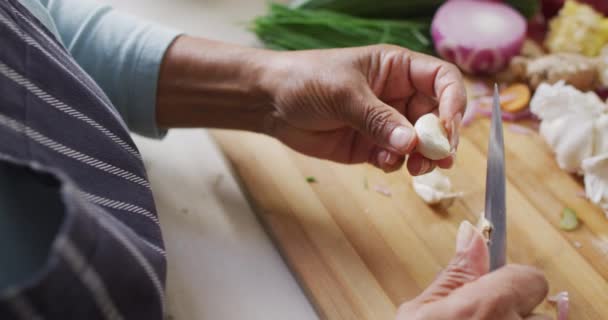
(300, 29)
(528, 8)
(377, 8)
(311, 179)
(400, 8)
(569, 220)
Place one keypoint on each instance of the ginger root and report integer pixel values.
(577, 70)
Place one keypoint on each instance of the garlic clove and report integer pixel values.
(433, 140)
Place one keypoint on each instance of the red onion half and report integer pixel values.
(480, 37)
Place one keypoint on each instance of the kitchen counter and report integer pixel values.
(222, 265)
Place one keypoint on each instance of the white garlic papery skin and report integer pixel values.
(573, 123)
(434, 188)
(551, 101)
(571, 139)
(433, 140)
(596, 180)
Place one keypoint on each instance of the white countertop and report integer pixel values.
(222, 265)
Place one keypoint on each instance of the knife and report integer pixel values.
(495, 208)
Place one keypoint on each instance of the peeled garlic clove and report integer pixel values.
(433, 140)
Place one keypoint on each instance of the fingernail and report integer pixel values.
(425, 165)
(390, 159)
(465, 235)
(401, 138)
(455, 132)
(386, 158)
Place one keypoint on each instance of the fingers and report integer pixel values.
(387, 161)
(443, 82)
(446, 163)
(380, 122)
(439, 79)
(512, 289)
(465, 290)
(470, 263)
(417, 164)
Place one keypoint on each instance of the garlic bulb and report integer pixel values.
(435, 188)
(596, 180)
(571, 143)
(432, 137)
(574, 123)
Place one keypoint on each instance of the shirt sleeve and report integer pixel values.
(122, 53)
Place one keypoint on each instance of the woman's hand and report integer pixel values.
(466, 291)
(358, 104)
(347, 105)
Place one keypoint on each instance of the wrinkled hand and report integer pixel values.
(358, 104)
(465, 290)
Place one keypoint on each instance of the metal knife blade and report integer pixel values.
(495, 208)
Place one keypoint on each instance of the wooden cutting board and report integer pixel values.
(359, 254)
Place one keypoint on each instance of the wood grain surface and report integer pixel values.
(360, 254)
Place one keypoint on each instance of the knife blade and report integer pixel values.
(495, 206)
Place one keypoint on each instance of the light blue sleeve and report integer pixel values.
(122, 53)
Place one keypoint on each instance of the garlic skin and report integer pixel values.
(596, 180)
(485, 227)
(435, 188)
(574, 124)
(433, 140)
(570, 138)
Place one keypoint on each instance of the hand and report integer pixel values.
(347, 105)
(358, 104)
(465, 291)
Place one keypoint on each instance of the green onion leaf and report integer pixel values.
(285, 28)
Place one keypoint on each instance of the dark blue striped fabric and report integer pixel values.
(108, 260)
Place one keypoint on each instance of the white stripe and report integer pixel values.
(59, 148)
(22, 81)
(89, 277)
(30, 41)
(105, 202)
(119, 205)
(133, 250)
(23, 308)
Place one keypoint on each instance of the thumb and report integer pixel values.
(381, 123)
(471, 262)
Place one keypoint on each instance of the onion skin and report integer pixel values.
(599, 5)
(471, 57)
(550, 8)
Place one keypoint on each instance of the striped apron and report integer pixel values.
(107, 261)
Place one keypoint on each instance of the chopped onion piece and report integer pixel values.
(515, 128)
(470, 113)
(507, 116)
(479, 89)
(383, 190)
